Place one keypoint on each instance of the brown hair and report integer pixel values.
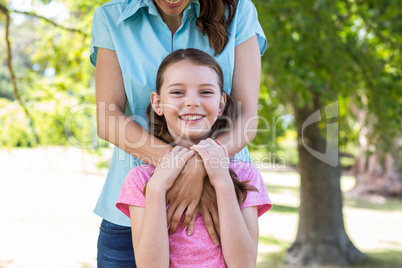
(158, 126)
(213, 22)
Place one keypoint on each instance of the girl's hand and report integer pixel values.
(169, 168)
(216, 159)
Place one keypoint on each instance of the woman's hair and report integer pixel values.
(213, 22)
(158, 126)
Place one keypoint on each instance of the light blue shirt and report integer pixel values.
(136, 31)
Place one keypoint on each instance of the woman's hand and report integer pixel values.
(215, 158)
(185, 193)
(189, 191)
(169, 168)
(208, 207)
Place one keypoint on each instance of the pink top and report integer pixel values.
(196, 250)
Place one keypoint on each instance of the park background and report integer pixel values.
(328, 64)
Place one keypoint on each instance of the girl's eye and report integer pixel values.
(176, 92)
(207, 92)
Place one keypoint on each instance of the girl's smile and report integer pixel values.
(190, 100)
(191, 118)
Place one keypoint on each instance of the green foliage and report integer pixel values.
(53, 74)
(273, 119)
(336, 50)
(323, 51)
(15, 130)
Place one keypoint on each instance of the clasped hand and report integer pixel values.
(187, 189)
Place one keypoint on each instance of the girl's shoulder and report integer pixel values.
(244, 169)
(143, 168)
(260, 198)
(140, 173)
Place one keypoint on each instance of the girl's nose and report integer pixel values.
(192, 100)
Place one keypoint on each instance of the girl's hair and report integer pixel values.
(158, 126)
(213, 22)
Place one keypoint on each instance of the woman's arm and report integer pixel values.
(245, 89)
(113, 125)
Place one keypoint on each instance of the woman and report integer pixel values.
(130, 39)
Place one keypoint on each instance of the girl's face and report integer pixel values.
(190, 99)
(171, 8)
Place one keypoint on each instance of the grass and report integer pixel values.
(283, 209)
(375, 228)
(388, 205)
(376, 259)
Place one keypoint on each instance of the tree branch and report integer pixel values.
(33, 14)
(17, 94)
(349, 50)
(368, 24)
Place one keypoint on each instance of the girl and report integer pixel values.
(187, 109)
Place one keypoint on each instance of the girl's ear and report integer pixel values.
(222, 103)
(155, 102)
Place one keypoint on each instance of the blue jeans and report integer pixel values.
(115, 246)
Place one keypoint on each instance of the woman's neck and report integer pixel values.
(172, 22)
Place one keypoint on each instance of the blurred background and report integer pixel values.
(330, 67)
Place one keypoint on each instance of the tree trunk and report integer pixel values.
(321, 237)
(375, 173)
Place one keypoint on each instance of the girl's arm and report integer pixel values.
(149, 232)
(148, 225)
(239, 228)
(245, 89)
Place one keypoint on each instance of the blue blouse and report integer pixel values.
(136, 32)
